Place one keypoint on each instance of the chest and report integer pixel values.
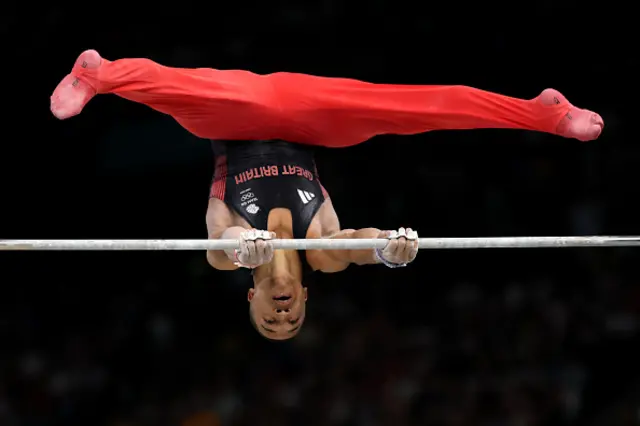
(320, 226)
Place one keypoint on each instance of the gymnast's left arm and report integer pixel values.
(401, 249)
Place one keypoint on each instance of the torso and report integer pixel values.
(271, 185)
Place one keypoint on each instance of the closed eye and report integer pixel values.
(267, 329)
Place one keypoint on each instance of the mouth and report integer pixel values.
(282, 299)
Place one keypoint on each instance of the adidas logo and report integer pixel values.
(305, 196)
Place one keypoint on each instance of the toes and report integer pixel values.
(596, 119)
(597, 124)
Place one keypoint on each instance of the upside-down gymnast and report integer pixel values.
(265, 183)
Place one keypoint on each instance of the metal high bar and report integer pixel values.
(320, 244)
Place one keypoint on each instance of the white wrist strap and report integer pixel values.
(385, 262)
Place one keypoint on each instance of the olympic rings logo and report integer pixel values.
(247, 196)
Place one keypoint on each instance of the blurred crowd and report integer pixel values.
(556, 349)
(459, 338)
(482, 338)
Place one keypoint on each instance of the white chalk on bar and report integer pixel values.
(321, 244)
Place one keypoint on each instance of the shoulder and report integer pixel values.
(220, 217)
(216, 205)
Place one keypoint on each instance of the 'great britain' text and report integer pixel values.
(267, 171)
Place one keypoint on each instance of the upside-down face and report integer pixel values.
(277, 307)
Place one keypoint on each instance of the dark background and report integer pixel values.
(488, 338)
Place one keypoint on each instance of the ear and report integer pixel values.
(250, 294)
(306, 296)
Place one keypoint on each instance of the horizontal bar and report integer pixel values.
(322, 244)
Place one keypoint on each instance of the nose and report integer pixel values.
(283, 311)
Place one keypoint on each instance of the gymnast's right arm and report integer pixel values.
(220, 226)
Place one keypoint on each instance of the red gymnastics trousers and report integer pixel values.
(332, 112)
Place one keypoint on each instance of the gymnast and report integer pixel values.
(266, 185)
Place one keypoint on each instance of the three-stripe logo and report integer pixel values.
(305, 196)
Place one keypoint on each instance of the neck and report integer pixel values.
(285, 265)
